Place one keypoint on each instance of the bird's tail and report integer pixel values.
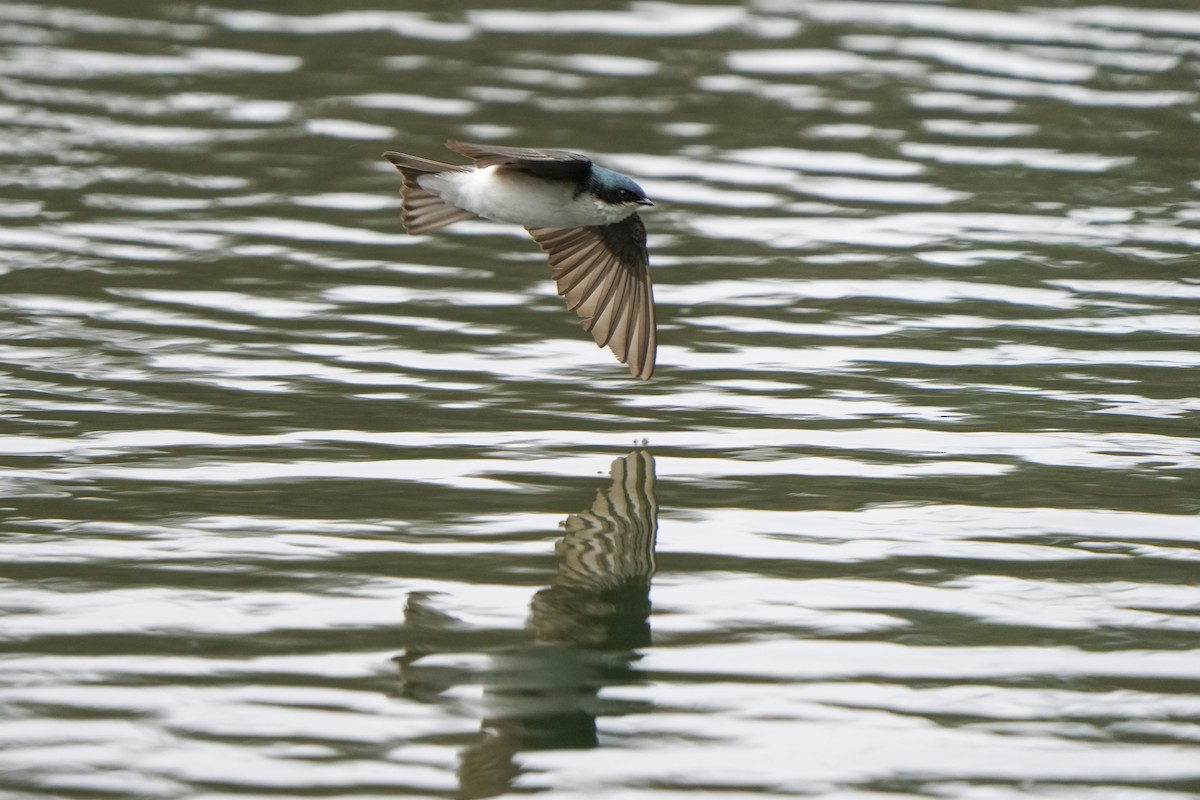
(423, 211)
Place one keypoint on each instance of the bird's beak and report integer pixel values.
(643, 202)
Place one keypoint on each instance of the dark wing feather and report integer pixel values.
(553, 164)
(604, 275)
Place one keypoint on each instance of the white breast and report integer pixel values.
(521, 199)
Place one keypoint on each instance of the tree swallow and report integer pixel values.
(583, 216)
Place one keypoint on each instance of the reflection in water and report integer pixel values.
(587, 626)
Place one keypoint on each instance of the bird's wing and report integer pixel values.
(552, 164)
(604, 275)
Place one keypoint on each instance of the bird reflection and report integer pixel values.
(587, 626)
(600, 596)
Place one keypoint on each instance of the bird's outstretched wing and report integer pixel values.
(552, 164)
(603, 273)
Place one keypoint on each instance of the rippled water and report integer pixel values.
(299, 505)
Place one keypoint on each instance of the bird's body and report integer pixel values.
(522, 199)
(582, 215)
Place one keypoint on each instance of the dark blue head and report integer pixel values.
(613, 187)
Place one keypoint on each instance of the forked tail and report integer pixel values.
(423, 211)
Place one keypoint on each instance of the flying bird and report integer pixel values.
(582, 215)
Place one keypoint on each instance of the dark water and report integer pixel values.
(296, 505)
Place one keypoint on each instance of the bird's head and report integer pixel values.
(615, 189)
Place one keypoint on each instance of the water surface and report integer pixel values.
(298, 505)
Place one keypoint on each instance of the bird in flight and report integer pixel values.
(582, 215)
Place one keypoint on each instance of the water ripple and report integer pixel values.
(296, 502)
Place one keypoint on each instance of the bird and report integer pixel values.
(582, 215)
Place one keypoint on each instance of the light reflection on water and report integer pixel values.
(284, 487)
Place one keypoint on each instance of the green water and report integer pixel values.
(298, 505)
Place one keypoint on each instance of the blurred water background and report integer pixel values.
(296, 505)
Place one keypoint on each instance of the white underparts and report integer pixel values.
(519, 198)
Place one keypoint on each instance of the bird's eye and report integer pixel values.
(626, 195)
